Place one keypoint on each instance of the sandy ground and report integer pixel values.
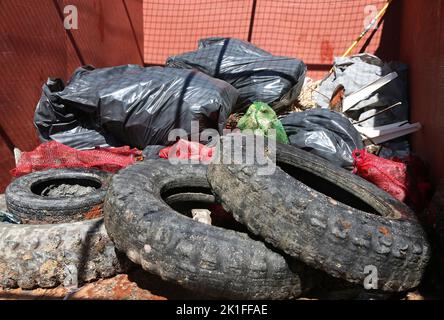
(139, 285)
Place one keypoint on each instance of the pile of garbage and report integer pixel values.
(150, 146)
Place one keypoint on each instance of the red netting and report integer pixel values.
(389, 175)
(184, 149)
(404, 179)
(314, 31)
(56, 155)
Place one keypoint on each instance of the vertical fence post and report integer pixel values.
(253, 14)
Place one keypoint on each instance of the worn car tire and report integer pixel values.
(46, 255)
(318, 230)
(200, 257)
(34, 208)
(59, 254)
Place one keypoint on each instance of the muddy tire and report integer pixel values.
(61, 254)
(344, 229)
(200, 257)
(47, 255)
(23, 196)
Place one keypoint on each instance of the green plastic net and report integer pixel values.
(260, 118)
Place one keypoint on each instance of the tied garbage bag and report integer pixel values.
(60, 121)
(257, 74)
(131, 105)
(325, 133)
(260, 118)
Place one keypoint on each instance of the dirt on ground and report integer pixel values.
(135, 285)
(140, 285)
(116, 288)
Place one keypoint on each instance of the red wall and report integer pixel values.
(34, 46)
(173, 26)
(422, 47)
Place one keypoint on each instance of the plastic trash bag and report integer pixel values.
(358, 71)
(260, 118)
(152, 152)
(131, 105)
(325, 133)
(257, 74)
(59, 121)
(82, 139)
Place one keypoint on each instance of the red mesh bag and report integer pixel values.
(184, 149)
(391, 176)
(56, 155)
(404, 179)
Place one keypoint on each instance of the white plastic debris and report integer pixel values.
(388, 132)
(201, 215)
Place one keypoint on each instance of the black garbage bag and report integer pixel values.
(82, 138)
(152, 152)
(325, 133)
(131, 105)
(257, 74)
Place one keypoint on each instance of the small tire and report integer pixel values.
(318, 230)
(47, 255)
(23, 198)
(204, 258)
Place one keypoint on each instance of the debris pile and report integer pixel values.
(341, 193)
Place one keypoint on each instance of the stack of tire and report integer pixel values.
(306, 218)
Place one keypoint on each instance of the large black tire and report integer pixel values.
(200, 257)
(24, 200)
(319, 230)
(49, 255)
